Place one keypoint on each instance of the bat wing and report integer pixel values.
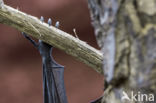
(50, 89)
(45, 91)
(58, 72)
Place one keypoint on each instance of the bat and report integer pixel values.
(53, 73)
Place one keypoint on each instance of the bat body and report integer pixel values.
(53, 73)
(54, 91)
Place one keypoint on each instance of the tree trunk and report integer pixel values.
(126, 32)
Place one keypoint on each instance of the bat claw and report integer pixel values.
(23, 34)
(49, 21)
(42, 19)
(57, 24)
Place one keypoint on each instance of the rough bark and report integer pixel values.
(51, 35)
(134, 67)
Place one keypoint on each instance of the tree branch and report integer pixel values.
(51, 35)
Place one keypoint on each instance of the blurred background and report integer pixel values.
(20, 62)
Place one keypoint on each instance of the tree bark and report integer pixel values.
(127, 30)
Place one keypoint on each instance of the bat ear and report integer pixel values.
(57, 24)
(49, 21)
(42, 19)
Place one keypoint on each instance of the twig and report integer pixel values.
(51, 35)
(74, 30)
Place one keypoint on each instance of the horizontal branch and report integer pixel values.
(51, 35)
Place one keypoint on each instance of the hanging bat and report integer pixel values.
(53, 73)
